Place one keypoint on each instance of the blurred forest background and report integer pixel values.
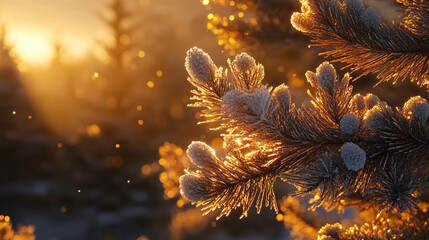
(91, 91)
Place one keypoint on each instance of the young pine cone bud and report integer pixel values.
(353, 156)
(416, 108)
(371, 100)
(358, 102)
(194, 188)
(283, 97)
(200, 66)
(374, 118)
(202, 154)
(243, 64)
(248, 74)
(325, 77)
(349, 124)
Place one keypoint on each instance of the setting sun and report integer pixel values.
(31, 46)
(34, 27)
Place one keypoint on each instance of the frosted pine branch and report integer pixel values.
(346, 149)
(356, 35)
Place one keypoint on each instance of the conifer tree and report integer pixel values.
(110, 106)
(20, 125)
(347, 149)
(121, 28)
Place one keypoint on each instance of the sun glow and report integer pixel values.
(34, 28)
(31, 46)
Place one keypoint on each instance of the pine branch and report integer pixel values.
(174, 162)
(357, 36)
(228, 183)
(416, 17)
(303, 225)
(383, 226)
(342, 149)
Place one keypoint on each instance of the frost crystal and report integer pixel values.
(193, 188)
(237, 102)
(416, 107)
(199, 65)
(283, 97)
(371, 100)
(353, 156)
(349, 124)
(201, 154)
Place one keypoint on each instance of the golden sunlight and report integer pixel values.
(31, 46)
(34, 27)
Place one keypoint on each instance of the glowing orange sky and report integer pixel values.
(33, 26)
